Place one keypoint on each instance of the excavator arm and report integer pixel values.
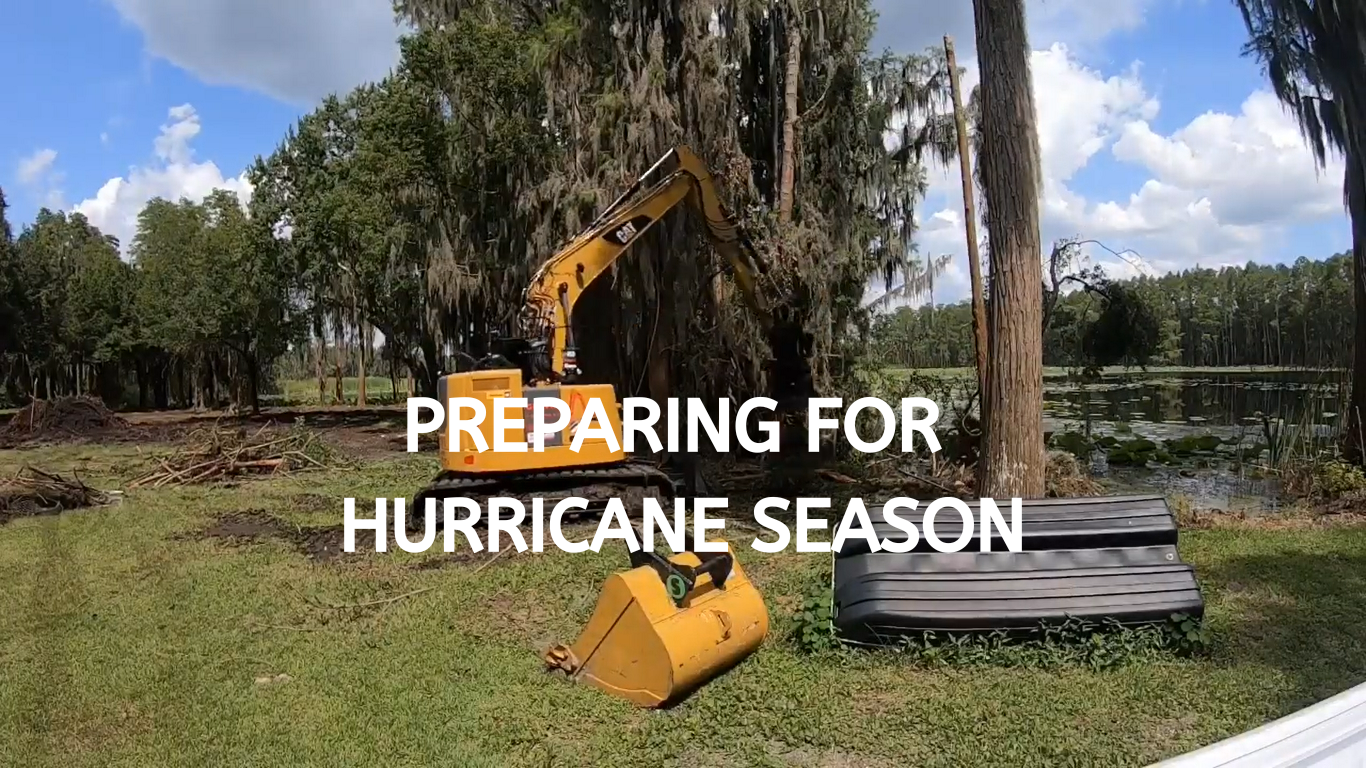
(558, 284)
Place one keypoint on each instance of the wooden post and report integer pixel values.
(979, 309)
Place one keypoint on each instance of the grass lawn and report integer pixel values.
(126, 642)
(305, 391)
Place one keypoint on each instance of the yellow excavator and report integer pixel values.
(669, 623)
(544, 363)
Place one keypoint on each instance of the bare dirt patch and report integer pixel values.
(459, 558)
(810, 757)
(314, 503)
(525, 616)
(363, 433)
(325, 545)
(319, 544)
(246, 526)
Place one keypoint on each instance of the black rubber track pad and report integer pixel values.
(881, 597)
(1118, 521)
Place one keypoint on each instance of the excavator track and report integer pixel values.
(631, 482)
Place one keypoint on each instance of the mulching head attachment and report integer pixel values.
(789, 371)
(665, 627)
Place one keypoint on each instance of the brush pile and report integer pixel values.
(217, 454)
(64, 417)
(1068, 479)
(32, 491)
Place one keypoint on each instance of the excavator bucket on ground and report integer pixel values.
(666, 627)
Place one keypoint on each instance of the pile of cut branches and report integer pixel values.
(64, 417)
(32, 491)
(216, 454)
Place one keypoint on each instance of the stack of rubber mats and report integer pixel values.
(1094, 559)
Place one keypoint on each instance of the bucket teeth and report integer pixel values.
(560, 657)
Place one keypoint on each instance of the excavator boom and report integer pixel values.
(556, 287)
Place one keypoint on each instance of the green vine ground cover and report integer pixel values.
(126, 639)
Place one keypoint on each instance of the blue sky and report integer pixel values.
(93, 84)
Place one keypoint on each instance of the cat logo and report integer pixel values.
(627, 231)
(576, 412)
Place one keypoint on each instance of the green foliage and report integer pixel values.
(1141, 451)
(1333, 479)
(1072, 642)
(417, 207)
(213, 282)
(957, 428)
(11, 295)
(812, 627)
(1126, 331)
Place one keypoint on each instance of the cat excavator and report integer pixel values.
(544, 361)
(670, 622)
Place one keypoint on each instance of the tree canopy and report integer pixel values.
(415, 208)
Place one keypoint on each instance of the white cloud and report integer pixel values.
(172, 174)
(1079, 110)
(38, 173)
(294, 50)
(1222, 190)
(302, 50)
(1250, 168)
(36, 165)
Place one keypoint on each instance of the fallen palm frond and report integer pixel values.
(219, 454)
(32, 491)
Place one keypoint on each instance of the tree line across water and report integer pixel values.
(1292, 315)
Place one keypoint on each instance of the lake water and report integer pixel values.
(1167, 404)
(1164, 404)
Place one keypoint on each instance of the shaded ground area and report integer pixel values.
(319, 544)
(222, 624)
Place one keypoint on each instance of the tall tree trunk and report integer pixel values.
(201, 378)
(1355, 188)
(254, 382)
(1012, 463)
(338, 360)
(319, 350)
(430, 365)
(393, 375)
(360, 362)
(792, 79)
(979, 310)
